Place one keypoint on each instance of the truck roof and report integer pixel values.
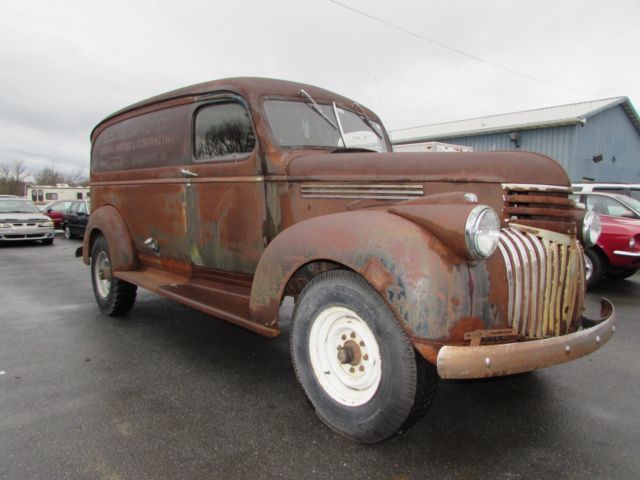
(251, 88)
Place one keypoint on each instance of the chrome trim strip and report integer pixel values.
(362, 191)
(510, 279)
(517, 279)
(626, 254)
(526, 285)
(536, 187)
(535, 279)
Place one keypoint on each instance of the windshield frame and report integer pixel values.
(384, 140)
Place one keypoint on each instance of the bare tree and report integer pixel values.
(52, 176)
(12, 178)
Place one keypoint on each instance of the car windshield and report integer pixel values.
(298, 124)
(630, 202)
(17, 206)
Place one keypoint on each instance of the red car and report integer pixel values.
(617, 253)
(55, 210)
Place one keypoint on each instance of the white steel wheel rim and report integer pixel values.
(588, 268)
(352, 383)
(102, 264)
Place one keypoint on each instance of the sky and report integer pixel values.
(65, 65)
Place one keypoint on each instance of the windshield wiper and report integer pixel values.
(316, 108)
(366, 120)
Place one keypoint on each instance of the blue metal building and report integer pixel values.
(598, 140)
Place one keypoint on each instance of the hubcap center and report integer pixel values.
(349, 353)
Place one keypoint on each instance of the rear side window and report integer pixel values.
(51, 196)
(222, 131)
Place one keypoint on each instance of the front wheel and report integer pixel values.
(354, 360)
(593, 267)
(67, 232)
(114, 296)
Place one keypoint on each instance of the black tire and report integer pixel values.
(120, 296)
(597, 267)
(407, 382)
(621, 274)
(47, 241)
(67, 232)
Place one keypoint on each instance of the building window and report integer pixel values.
(51, 196)
(79, 195)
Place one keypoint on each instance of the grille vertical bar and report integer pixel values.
(545, 284)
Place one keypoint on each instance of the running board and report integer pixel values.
(227, 302)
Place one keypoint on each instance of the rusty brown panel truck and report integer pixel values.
(229, 195)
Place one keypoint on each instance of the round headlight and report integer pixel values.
(591, 228)
(482, 232)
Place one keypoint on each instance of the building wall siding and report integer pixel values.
(610, 134)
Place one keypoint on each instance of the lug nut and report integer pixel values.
(361, 368)
(344, 337)
(352, 370)
(366, 357)
(353, 334)
(361, 343)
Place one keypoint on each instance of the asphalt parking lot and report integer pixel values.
(168, 392)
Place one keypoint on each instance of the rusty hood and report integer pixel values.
(486, 167)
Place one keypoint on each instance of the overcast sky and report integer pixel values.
(65, 65)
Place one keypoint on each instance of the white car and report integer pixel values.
(20, 220)
(629, 189)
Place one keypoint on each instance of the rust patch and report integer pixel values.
(464, 325)
(377, 275)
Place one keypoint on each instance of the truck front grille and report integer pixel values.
(545, 273)
(542, 206)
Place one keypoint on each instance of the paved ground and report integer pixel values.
(167, 392)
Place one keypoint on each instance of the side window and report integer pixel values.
(51, 196)
(82, 207)
(222, 130)
(73, 208)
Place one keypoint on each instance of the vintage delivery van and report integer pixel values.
(405, 267)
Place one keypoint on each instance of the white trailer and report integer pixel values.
(42, 194)
(430, 147)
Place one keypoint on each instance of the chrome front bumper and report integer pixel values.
(461, 362)
(17, 234)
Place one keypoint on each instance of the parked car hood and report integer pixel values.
(486, 167)
(611, 224)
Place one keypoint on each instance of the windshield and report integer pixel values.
(631, 202)
(17, 206)
(297, 124)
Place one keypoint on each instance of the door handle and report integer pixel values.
(188, 173)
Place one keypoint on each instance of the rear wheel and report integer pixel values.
(354, 360)
(67, 232)
(114, 296)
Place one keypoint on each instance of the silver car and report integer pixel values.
(21, 220)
